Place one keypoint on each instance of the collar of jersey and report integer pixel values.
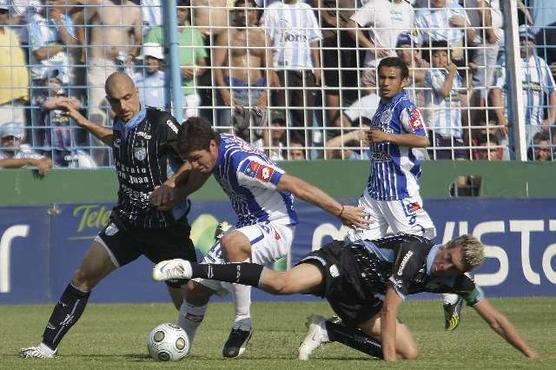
(430, 258)
(132, 123)
(395, 99)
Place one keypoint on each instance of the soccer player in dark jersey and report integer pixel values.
(143, 141)
(364, 282)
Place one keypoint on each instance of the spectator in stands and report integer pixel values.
(297, 149)
(339, 58)
(114, 42)
(56, 136)
(447, 22)
(295, 35)
(385, 20)
(486, 17)
(51, 38)
(14, 154)
(192, 56)
(540, 151)
(410, 53)
(273, 140)
(351, 145)
(537, 81)
(492, 151)
(242, 70)
(151, 14)
(14, 79)
(211, 16)
(443, 103)
(151, 79)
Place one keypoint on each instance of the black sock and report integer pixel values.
(241, 273)
(66, 313)
(353, 338)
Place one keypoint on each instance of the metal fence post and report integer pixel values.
(173, 76)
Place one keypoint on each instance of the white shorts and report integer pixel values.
(269, 243)
(406, 215)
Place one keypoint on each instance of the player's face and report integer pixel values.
(124, 100)
(204, 160)
(390, 82)
(448, 262)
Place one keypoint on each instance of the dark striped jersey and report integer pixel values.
(145, 154)
(405, 261)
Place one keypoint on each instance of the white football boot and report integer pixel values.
(172, 269)
(316, 336)
(40, 351)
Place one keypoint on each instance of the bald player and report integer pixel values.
(143, 141)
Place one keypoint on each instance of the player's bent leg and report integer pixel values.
(95, 266)
(236, 246)
(304, 278)
(193, 309)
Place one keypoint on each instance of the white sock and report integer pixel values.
(46, 349)
(241, 296)
(190, 317)
(449, 298)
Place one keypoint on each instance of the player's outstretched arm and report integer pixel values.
(350, 215)
(70, 109)
(501, 325)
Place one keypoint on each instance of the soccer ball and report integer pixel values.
(168, 342)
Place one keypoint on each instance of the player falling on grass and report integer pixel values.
(143, 141)
(364, 282)
(261, 196)
(391, 197)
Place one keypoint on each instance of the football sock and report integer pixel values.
(241, 296)
(65, 314)
(241, 273)
(190, 317)
(353, 338)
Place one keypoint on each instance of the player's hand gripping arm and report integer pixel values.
(503, 327)
(103, 133)
(177, 187)
(350, 215)
(388, 321)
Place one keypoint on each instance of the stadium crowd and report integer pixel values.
(296, 78)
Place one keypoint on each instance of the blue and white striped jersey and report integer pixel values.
(292, 28)
(443, 113)
(249, 178)
(434, 24)
(537, 81)
(395, 170)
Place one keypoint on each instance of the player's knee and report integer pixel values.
(410, 353)
(83, 280)
(197, 294)
(235, 247)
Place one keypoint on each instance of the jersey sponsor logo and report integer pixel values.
(404, 262)
(140, 153)
(144, 135)
(251, 169)
(117, 143)
(265, 173)
(415, 120)
(172, 126)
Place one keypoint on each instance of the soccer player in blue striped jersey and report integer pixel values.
(391, 197)
(261, 195)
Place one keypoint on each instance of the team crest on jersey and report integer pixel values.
(265, 173)
(117, 142)
(386, 118)
(111, 230)
(415, 120)
(140, 153)
(252, 168)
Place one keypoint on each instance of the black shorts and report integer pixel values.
(342, 285)
(125, 244)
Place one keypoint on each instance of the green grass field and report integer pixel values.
(114, 337)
